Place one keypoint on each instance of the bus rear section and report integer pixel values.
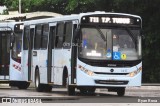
(16, 73)
(10, 54)
(4, 55)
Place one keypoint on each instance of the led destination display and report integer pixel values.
(111, 20)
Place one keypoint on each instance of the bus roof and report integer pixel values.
(8, 26)
(75, 17)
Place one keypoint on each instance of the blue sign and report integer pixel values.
(116, 55)
(108, 55)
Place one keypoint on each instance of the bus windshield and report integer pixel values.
(119, 44)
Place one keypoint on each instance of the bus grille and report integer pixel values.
(110, 82)
(111, 73)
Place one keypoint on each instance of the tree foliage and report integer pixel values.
(148, 9)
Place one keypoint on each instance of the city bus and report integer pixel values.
(83, 52)
(5, 33)
(11, 33)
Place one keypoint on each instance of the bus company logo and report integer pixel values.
(21, 100)
(112, 70)
(6, 100)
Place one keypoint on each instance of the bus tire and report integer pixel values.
(23, 85)
(38, 86)
(121, 91)
(88, 91)
(65, 78)
(71, 90)
(47, 88)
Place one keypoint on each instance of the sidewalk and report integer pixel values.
(144, 88)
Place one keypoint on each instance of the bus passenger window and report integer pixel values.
(25, 40)
(52, 36)
(44, 39)
(68, 35)
(37, 38)
(59, 35)
(31, 37)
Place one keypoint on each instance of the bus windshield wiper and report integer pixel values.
(101, 34)
(130, 34)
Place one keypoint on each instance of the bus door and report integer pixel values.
(4, 55)
(27, 51)
(50, 70)
(74, 55)
(31, 35)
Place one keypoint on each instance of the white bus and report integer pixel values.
(11, 32)
(84, 51)
(5, 33)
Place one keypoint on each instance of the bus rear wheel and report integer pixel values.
(39, 87)
(121, 91)
(70, 88)
(23, 85)
(47, 88)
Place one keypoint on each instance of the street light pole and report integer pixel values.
(19, 6)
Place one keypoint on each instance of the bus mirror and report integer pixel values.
(12, 40)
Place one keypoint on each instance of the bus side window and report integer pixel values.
(44, 37)
(37, 38)
(68, 35)
(59, 35)
(52, 36)
(31, 37)
(25, 38)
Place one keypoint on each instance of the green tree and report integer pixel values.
(77, 6)
(60, 6)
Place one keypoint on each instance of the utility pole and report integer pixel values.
(19, 6)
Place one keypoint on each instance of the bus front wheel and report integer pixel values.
(87, 91)
(121, 91)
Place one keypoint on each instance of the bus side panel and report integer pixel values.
(67, 61)
(59, 61)
(42, 64)
(16, 73)
(62, 59)
(25, 64)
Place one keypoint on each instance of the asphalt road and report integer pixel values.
(133, 95)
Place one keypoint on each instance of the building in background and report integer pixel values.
(3, 9)
(15, 16)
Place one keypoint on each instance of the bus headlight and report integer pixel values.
(88, 72)
(134, 73)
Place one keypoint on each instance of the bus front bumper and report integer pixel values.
(84, 79)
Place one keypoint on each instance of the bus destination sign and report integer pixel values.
(110, 20)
